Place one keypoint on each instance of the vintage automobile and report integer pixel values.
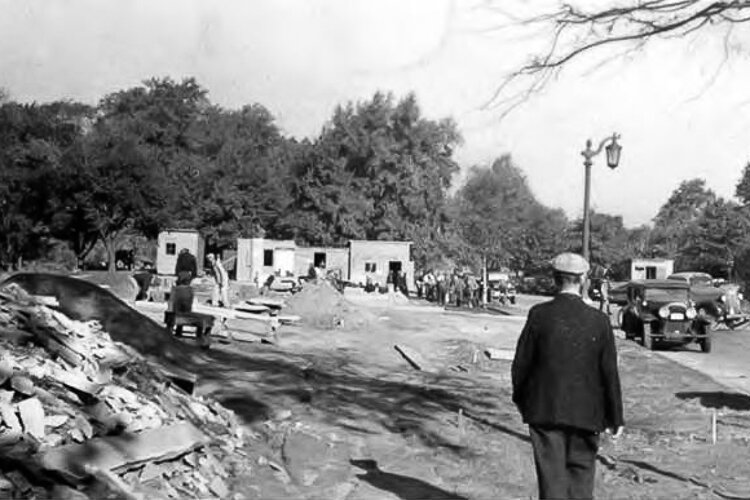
(716, 305)
(662, 312)
(731, 311)
(502, 291)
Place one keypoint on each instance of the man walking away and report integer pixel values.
(221, 282)
(566, 384)
(186, 268)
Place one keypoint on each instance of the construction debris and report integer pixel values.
(83, 412)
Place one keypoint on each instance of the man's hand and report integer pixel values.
(615, 433)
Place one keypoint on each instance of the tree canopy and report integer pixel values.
(499, 217)
(161, 155)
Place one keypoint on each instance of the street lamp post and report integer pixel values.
(613, 159)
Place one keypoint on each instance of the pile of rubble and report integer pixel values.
(82, 415)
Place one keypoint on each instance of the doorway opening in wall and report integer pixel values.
(394, 267)
(650, 272)
(319, 259)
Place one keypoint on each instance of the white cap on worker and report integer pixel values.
(570, 263)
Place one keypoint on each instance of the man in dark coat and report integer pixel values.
(566, 384)
(186, 268)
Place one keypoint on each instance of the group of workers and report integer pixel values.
(450, 289)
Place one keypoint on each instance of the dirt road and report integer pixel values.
(339, 414)
(728, 362)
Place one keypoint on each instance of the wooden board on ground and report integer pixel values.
(249, 336)
(251, 308)
(249, 326)
(288, 319)
(267, 301)
(506, 354)
(124, 451)
(412, 357)
(217, 312)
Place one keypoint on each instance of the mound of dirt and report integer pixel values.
(322, 306)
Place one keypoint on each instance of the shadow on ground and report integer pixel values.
(407, 402)
(405, 487)
(719, 399)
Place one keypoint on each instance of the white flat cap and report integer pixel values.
(570, 263)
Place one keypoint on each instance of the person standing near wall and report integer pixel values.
(220, 293)
(186, 268)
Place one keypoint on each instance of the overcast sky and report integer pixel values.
(679, 118)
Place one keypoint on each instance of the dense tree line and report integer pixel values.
(161, 155)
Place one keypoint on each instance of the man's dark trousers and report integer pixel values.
(565, 461)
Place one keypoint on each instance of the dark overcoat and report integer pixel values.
(565, 367)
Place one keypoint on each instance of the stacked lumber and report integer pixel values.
(80, 411)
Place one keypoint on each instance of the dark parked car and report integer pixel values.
(709, 299)
(662, 312)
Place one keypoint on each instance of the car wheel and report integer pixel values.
(705, 343)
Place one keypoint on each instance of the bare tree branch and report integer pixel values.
(578, 31)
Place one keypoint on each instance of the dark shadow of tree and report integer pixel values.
(408, 402)
(405, 487)
(719, 399)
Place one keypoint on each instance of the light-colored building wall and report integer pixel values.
(641, 269)
(373, 258)
(257, 258)
(334, 258)
(171, 242)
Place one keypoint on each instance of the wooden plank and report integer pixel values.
(217, 312)
(268, 302)
(506, 354)
(288, 319)
(251, 308)
(243, 325)
(412, 357)
(122, 452)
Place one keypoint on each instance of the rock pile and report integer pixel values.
(87, 415)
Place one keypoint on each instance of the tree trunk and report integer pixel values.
(109, 246)
(484, 281)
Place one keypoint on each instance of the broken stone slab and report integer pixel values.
(150, 471)
(118, 453)
(32, 417)
(6, 396)
(8, 413)
(77, 381)
(10, 438)
(218, 487)
(268, 302)
(6, 371)
(412, 357)
(22, 384)
(19, 481)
